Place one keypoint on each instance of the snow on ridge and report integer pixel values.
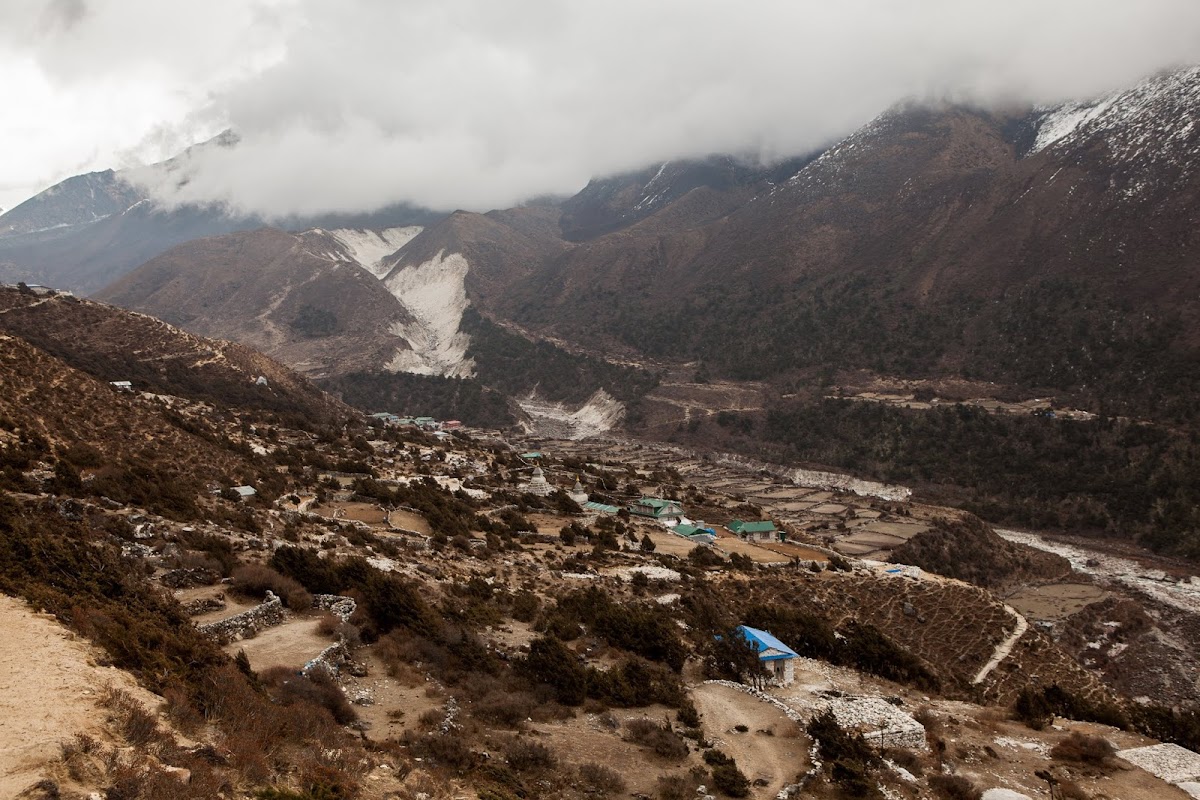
(370, 248)
(649, 198)
(1148, 124)
(1061, 122)
(435, 295)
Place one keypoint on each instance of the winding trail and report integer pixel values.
(1005, 647)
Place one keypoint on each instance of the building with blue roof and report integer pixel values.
(777, 659)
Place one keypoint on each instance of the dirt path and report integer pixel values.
(49, 691)
(1004, 648)
(777, 759)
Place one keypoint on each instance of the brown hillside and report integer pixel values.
(110, 344)
(291, 296)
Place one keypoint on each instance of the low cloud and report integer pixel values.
(475, 104)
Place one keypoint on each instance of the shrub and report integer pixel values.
(601, 780)
(551, 663)
(504, 708)
(317, 688)
(451, 752)
(954, 787)
(525, 606)
(658, 737)
(676, 787)
(848, 758)
(1080, 747)
(688, 716)
(729, 780)
(138, 726)
(525, 755)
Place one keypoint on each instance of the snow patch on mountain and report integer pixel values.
(600, 414)
(649, 196)
(1149, 129)
(435, 295)
(1061, 122)
(369, 248)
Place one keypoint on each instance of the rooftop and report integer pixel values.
(765, 641)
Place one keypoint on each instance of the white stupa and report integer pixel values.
(538, 484)
(578, 494)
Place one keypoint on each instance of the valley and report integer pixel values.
(868, 472)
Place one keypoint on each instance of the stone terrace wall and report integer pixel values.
(338, 605)
(265, 615)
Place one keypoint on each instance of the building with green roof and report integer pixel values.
(764, 531)
(658, 509)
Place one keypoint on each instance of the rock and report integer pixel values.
(181, 774)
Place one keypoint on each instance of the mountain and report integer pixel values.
(76, 201)
(1047, 250)
(381, 329)
(90, 230)
(305, 298)
(1054, 248)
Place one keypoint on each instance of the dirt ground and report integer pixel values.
(776, 758)
(758, 554)
(49, 691)
(587, 738)
(292, 644)
(667, 543)
(409, 521)
(1055, 601)
(398, 703)
(369, 513)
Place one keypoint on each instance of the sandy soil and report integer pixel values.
(778, 759)
(49, 691)
(292, 644)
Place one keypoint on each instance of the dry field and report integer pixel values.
(292, 644)
(1055, 601)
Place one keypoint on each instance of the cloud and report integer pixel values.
(476, 104)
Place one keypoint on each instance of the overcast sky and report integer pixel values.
(353, 104)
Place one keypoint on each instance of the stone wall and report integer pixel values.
(881, 723)
(265, 615)
(338, 605)
(330, 659)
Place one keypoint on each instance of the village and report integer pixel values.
(660, 511)
(758, 609)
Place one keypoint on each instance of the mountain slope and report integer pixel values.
(297, 297)
(90, 230)
(934, 241)
(110, 344)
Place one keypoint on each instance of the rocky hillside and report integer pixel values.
(301, 298)
(109, 344)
